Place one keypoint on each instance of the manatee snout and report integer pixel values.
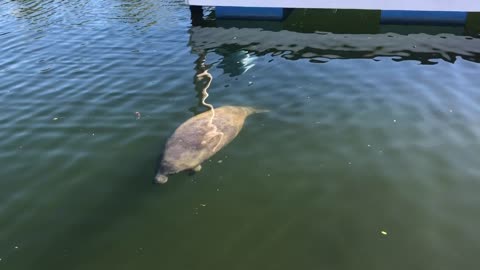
(161, 178)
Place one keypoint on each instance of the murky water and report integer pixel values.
(368, 158)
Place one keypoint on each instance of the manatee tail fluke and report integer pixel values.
(261, 111)
(252, 110)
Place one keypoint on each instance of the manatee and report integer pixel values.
(200, 137)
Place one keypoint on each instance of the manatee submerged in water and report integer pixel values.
(200, 137)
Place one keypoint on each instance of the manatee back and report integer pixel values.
(200, 137)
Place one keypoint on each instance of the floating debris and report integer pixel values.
(250, 83)
(203, 204)
(55, 118)
(394, 120)
(383, 232)
(220, 161)
(138, 115)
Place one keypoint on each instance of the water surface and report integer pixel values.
(367, 132)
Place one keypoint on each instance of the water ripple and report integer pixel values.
(318, 46)
(365, 133)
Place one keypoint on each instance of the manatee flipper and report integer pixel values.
(195, 170)
(198, 168)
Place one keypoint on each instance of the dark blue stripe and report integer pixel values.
(423, 17)
(249, 13)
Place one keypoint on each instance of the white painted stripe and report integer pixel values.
(427, 5)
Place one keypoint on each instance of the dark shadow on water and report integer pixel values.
(200, 66)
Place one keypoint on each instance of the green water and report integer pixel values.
(367, 133)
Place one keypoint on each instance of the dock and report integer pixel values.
(392, 11)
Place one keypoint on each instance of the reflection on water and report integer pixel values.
(320, 47)
(354, 144)
(303, 35)
(236, 63)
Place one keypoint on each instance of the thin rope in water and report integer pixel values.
(214, 132)
(205, 88)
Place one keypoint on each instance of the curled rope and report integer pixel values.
(214, 129)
